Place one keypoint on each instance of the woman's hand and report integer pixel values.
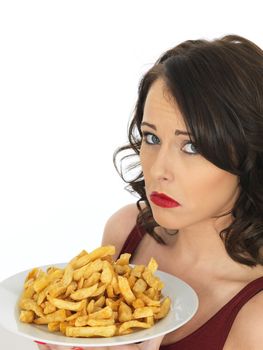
(152, 344)
(42, 346)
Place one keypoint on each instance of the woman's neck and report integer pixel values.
(200, 250)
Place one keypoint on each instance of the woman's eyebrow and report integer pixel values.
(150, 125)
(177, 132)
(181, 132)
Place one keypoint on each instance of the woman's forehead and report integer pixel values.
(159, 105)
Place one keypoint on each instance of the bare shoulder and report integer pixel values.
(246, 332)
(119, 225)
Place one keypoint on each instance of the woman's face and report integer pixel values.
(171, 166)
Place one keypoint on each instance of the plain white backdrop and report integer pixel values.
(69, 73)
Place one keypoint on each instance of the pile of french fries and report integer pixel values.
(94, 296)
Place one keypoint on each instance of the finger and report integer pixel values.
(152, 344)
(125, 347)
(42, 346)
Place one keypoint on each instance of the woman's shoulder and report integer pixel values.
(119, 226)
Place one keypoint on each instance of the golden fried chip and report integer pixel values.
(53, 326)
(126, 290)
(106, 312)
(140, 286)
(26, 316)
(100, 302)
(87, 270)
(67, 305)
(164, 308)
(84, 293)
(142, 312)
(94, 278)
(152, 265)
(96, 323)
(41, 282)
(132, 324)
(124, 259)
(48, 308)
(125, 312)
(107, 331)
(107, 273)
(57, 316)
(137, 303)
(137, 271)
(29, 304)
(152, 280)
(81, 321)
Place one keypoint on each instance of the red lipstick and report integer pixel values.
(163, 201)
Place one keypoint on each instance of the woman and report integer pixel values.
(197, 133)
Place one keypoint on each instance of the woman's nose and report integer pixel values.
(162, 166)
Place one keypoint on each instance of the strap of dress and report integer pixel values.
(133, 240)
(248, 292)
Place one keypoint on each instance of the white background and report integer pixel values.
(69, 72)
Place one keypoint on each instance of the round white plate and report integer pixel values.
(184, 306)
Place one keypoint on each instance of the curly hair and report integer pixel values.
(218, 86)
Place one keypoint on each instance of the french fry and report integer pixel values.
(124, 259)
(125, 312)
(100, 302)
(71, 288)
(99, 290)
(107, 273)
(41, 282)
(67, 305)
(94, 278)
(126, 290)
(53, 326)
(137, 303)
(151, 280)
(57, 316)
(96, 323)
(152, 265)
(26, 316)
(84, 293)
(90, 306)
(137, 271)
(81, 321)
(148, 301)
(28, 304)
(107, 331)
(142, 312)
(68, 276)
(104, 313)
(132, 324)
(49, 308)
(164, 308)
(87, 270)
(140, 286)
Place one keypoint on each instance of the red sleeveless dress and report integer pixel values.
(213, 333)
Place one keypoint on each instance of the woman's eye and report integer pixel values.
(150, 138)
(189, 148)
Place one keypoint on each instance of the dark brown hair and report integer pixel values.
(218, 86)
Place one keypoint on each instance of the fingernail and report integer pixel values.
(39, 342)
(77, 348)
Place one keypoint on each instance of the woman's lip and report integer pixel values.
(162, 200)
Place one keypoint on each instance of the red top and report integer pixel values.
(213, 333)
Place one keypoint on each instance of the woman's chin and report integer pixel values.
(167, 224)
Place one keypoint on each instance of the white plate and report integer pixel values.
(184, 306)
